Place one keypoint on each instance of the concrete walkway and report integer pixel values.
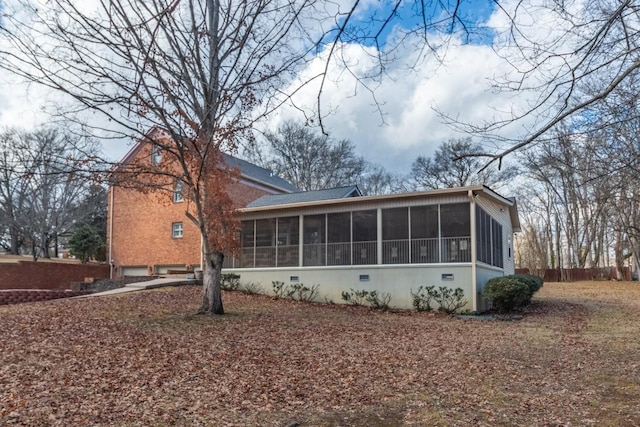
(149, 284)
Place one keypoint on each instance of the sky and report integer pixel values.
(392, 129)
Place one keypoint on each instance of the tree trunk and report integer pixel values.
(211, 280)
(15, 244)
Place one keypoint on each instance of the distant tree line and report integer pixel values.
(311, 160)
(47, 190)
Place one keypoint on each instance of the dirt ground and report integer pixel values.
(146, 359)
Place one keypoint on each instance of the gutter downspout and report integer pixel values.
(474, 274)
(111, 190)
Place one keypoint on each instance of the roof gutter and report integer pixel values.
(384, 197)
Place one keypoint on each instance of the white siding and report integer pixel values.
(347, 207)
(397, 280)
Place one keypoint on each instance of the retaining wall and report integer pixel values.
(15, 296)
(48, 275)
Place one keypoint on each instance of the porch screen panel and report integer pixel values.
(288, 243)
(266, 242)
(247, 244)
(339, 238)
(314, 249)
(455, 231)
(483, 235)
(395, 236)
(424, 234)
(486, 241)
(497, 243)
(365, 237)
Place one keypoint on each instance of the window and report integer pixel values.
(176, 228)
(395, 236)
(365, 237)
(177, 192)
(156, 154)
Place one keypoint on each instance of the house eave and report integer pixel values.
(382, 198)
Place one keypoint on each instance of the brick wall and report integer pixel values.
(47, 275)
(142, 226)
(16, 296)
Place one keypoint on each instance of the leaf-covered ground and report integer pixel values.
(145, 359)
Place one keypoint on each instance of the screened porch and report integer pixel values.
(428, 234)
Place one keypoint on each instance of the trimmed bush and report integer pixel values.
(534, 283)
(507, 293)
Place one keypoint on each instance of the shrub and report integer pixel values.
(279, 289)
(252, 288)
(302, 293)
(230, 281)
(450, 300)
(507, 293)
(84, 243)
(354, 297)
(379, 301)
(534, 283)
(423, 297)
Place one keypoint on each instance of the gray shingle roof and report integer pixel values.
(306, 196)
(258, 173)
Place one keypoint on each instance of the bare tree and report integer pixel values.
(310, 160)
(568, 201)
(42, 184)
(201, 72)
(454, 165)
(574, 59)
(377, 180)
(14, 191)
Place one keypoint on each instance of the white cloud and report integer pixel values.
(409, 125)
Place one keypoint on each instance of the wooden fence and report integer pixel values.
(577, 274)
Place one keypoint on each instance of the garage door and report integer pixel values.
(133, 271)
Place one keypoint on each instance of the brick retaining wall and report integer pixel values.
(48, 275)
(15, 296)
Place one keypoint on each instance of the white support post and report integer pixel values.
(301, 241)
(474, 275)
(379, 235)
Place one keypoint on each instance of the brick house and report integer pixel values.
(335, 238)
(148, 233)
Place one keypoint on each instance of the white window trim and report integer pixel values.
(177, 192)
(156, 155)
(177, 230)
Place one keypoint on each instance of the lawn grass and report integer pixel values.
(146, 359)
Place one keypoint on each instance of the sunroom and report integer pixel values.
(393, 243)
